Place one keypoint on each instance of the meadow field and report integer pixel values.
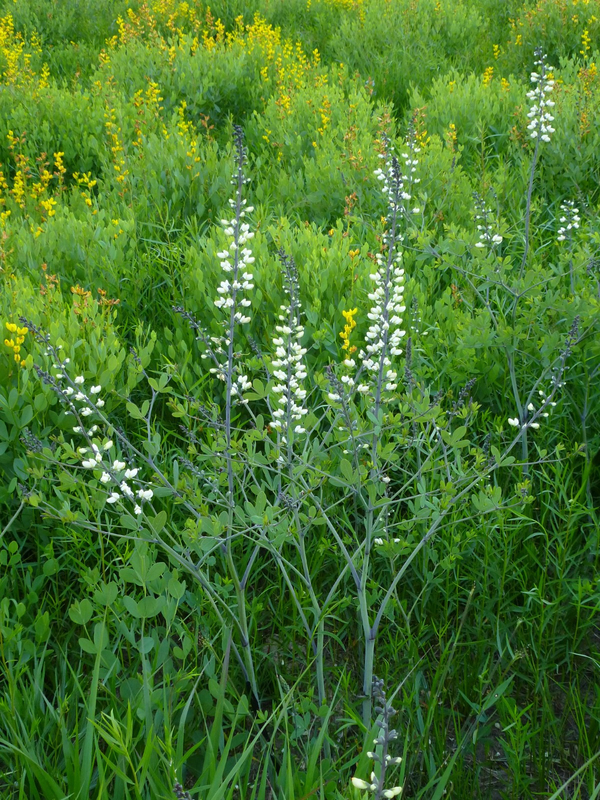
(299, 399)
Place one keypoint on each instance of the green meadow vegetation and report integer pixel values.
(299, 399)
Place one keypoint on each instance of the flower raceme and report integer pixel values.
(385, 333)
(114, 474)
(569, 220)
(540, 118)
(288, 365)
(236, 262)
(348, 328)
(119, 479)
(398, 186)
(531, 412)
(15, 341)
(487, 236)
(386, 735)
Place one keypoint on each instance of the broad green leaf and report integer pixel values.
(81, 612)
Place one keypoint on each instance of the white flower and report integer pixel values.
(95, 389)
(77, 429)
(126, 489)
(114, 497)
(90, 463)
(105, 477)
(514, 422)
(119, 465)
(360, 784)
(392, 792)
(137, 510)
(79, 380)
(85, 412)
(131, 473)
(107, 445)
(145, 494)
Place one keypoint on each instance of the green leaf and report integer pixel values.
(150, 606)
(176, 588)
(40, 403)
(131, 606)
(134, 411)
(87, 646)
(42, 627)
(155, 571)
(130, 576)
(100, 636)
(129, 522)
(455, 439)
(346, 468)
(26, 416)
(81, 612)
(50, 567)
(261, 503)
(145, 645)
(158, 522)
(106, 594)
(496, 694)
(259, 387)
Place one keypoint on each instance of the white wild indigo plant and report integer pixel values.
(512, 298)
(362, 457)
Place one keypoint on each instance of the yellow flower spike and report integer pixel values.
(349, 327)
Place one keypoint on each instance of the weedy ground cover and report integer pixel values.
(299, 399)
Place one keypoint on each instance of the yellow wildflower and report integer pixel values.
(349, 327)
